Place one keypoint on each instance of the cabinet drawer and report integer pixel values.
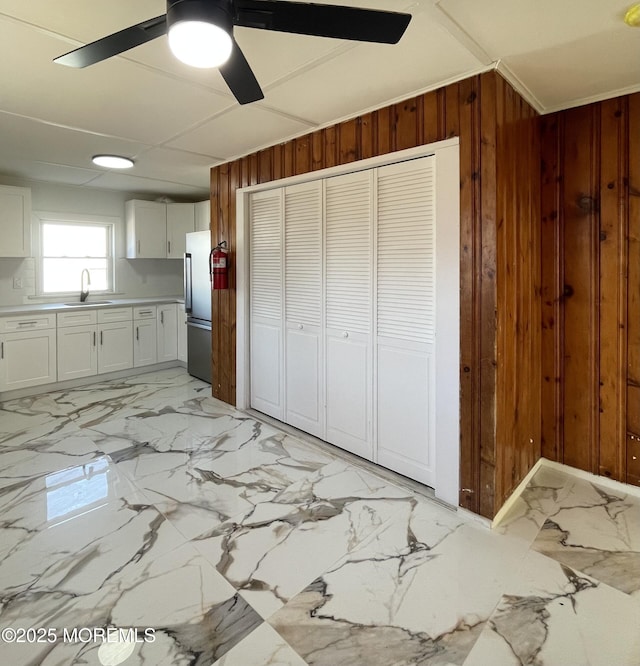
(144, 312)
(82, 318)
(27, 323)
(114, 315)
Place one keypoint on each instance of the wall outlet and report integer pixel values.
(17, 282)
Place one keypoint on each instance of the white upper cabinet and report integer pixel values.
(180, 222)
(157, 230)
(15, 221)
(203, 215)
(146, 229)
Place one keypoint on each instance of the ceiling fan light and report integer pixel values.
(199, 43)
(632, 17)
(112, 161)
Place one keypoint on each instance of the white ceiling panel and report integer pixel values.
(239, 131)
(114, 97)
(507, 27)
(370, 74)
(174, 165)
(124, 182)
(18, 167)
(26, 138)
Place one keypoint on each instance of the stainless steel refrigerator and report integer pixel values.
(197, 303)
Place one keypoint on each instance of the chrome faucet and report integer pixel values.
(84, 292)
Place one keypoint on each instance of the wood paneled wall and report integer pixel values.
(499, 218)
(591, 287)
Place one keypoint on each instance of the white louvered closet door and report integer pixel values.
(303, 307)
(266, 308)
(348, 311)
(405, 322)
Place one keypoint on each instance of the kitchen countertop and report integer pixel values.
(9, 310)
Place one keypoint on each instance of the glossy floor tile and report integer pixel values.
(144, 522)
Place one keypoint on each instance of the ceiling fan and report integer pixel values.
(201, 33)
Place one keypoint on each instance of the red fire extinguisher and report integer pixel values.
(219, 267)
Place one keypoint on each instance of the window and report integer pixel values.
(67, 247)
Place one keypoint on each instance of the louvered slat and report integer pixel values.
(303, 253)
(266, 255)
(406, 251)
(348, 252)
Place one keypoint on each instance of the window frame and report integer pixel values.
(107, 222)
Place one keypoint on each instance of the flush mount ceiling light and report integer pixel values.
(632, 17)
(215, 19)
(112, 161)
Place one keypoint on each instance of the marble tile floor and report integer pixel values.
(189, 533)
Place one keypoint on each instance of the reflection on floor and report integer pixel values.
(143, 504)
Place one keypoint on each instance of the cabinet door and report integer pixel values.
(15, 221)
(27, 359)
(167, 333)
(203, 215)
(182, 333)
(303, 307)
(180, 222)
(144, 342)
(115, 346)
(267, 381)
(349, 312)
(77, 352)
(146, 229)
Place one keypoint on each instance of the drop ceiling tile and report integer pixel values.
(372, 74)
(43, 171)
(26, 138)
(507, 27)
(176, 166)
(115, 97)
(239, 131)
(129, 183)
(586, 68)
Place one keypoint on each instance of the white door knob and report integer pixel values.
(300, 327)
(345, 334)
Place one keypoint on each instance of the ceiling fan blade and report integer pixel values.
(365, 25)
(115, 44)
(240, 78)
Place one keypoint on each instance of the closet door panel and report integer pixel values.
(348, 311)
(303, 307)
(405, 323)
(266, 364)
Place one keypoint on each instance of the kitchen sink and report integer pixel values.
(77, 303)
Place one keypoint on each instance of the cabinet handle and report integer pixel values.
(138, 244)
(145, 312)
(345, 334)
(162, 317)
(168, 247)
(27, 323)
(137, 333)
(1, 350)
(101, 338)
(94, 338)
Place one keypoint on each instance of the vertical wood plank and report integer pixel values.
(265, 166)
(330, 146)
(405, 125)
(317, 150)
(581, 239)
(302, 154)
(289, 163)
(383, 127)
(452, 110)
(613, 234)
(367, 137)
(430, 125)
(347, 141)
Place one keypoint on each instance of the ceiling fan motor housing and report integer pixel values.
(218, 12)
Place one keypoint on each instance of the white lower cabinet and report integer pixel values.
(94, 341)
(27, 358)
(77, 352)
(115, 346)
(145, 336)
(167, 332)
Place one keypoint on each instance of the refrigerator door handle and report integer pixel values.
(187, 283)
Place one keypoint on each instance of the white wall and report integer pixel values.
(133, 277)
